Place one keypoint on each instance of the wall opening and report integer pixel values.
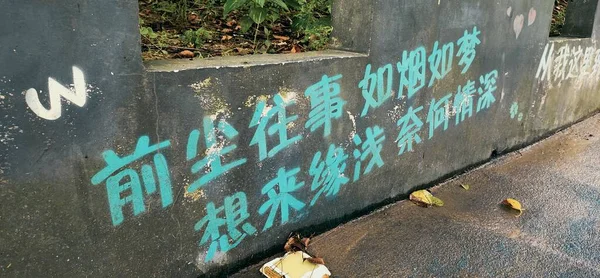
(209, 28)
(571, 18)
(558, 17)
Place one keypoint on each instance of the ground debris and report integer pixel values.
(513, 204)
(297, 262)
(425, 198)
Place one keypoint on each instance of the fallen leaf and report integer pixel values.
(295, 49)
(288, 245)
(294, 243)
(465, 186)
(192, 17)
(185, 54)
(226, 30)
(316, 260)
(424, 197)
(305, 241)
(226, 37)
(231, 23)
(437, 201)
(242, 51)
(513, 204)
(283, 38)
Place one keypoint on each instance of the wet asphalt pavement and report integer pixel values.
(558, 235)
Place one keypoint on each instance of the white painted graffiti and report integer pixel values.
(568, 62)
(77, 95)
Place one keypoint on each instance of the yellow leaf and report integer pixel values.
(465, 186)
(437, 201)
(423, 197)
(513, 204)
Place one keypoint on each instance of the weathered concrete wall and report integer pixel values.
(214, 162)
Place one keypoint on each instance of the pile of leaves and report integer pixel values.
(207, 28)
(558, 17)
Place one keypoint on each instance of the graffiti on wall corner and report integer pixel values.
(567, 62)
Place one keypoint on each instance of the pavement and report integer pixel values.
(558, 235)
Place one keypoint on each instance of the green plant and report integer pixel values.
(313, 23)
(311, 14)
(258, 10)
(243, 26)
(158, 39)
(558, 17)
(148, 33)
(155, 40)
(196, 37)
(557, 23)
(317, 37)
(310, 19)
(175, 12)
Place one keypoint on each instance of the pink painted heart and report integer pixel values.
(518, 24)
(531, 18)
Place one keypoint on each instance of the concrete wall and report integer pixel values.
(183, 168)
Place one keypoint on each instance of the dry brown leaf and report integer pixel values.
(226, 30)
(294, 243)
(283, 38)
(242, 50)
(298, 246)
(316, 260)
(192, 17)
(288, 245)
(295, 49)
(185, 54)
(226, 37)
(230, 23)
(305, 241)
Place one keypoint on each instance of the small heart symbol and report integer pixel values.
(518, 24)
(531, 18)
(508, 11)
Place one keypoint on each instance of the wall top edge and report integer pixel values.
(247, 61)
